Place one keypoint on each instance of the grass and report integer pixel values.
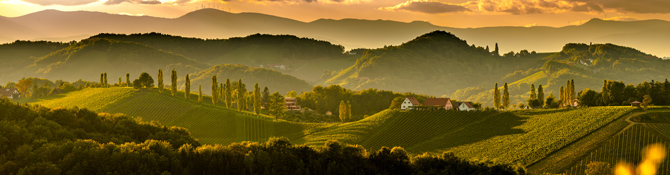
(522, 137)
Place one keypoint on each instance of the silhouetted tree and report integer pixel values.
(496, 96)
(187, 88)
(540, 94)
(505, 97)
(173, 83)
(215, 89)
(257, 99)
(199, 93)
(160, 81)
(229, 94)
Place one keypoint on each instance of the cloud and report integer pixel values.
(632, 6)
(60, 2)
(268, 2)
(518, 7)
(426, 6)
(114, 2)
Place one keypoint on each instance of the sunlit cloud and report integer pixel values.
(427, 6)
(295, 2)
(60, 2)
(629, 6)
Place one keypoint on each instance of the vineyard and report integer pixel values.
(94, 99)
(628, 146)
(406, 129)
(522, 136)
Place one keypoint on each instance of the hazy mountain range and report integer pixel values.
(648, 35)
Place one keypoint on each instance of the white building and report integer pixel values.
(409, 103)
(466, 106)
(11, 93)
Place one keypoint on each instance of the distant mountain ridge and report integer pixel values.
(646, 35)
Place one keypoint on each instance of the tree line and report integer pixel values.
(38, 140)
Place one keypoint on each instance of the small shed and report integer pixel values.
(635, 104)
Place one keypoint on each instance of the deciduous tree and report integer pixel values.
(540, 94)
(276, 105)
(160, 81)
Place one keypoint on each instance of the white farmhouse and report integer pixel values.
(11, 93)
(409, 103)
(466, 106)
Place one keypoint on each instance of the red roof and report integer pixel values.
(413, 101)
(435, 101)
(635, 102)
(7, 91)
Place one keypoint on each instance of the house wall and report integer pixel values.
(405, 104)
(464, 107)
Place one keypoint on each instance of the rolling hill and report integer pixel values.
(587, 64)
(529, 137)
(274, 80)
(436, 63)
(352, 33)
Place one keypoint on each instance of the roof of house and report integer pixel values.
(636, 102)
(469, 104)
(456, 104)
(435, 101)
(7, 91)
(413, 101)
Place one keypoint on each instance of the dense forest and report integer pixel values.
(206, 50)
(436, 63)
(38, 140)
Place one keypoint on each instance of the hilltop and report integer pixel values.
(587, 64)
(436, 63)
(274, 80)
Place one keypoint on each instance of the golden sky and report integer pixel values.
(450, 13)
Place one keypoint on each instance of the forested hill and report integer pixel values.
(275, 81)
(88, 58)
(436, 63)
(261, 48)
(587, 64)
(19, 54)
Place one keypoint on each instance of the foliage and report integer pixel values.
(187, 87)
(160, 80)
(257, 99)
(646, 102)
(215, 91)
(598, 168)
(276, 105)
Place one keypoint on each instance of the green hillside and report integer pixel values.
(274, 80)
(88, 58)
(521, 137)
(436, 63)
(588, 65)
(19, 54)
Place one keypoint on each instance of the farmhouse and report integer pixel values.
(437, 103)
(11, 93)
(409, 103)
(291, 104)
(466, 106)
(635, 103)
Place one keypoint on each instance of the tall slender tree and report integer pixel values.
(276, 105)
(343, 111)
(257, 99)
(105, 84)
(120, 82)
(173, 83)
(561, 96)
(265, 95)
(533, 95)
(222, 94)
(160, 81)
(199, 93)
(229, 94)
(128, 80)
(187, 87)
(496, 96)
(348, 111)
(505, 97)
(572, 91)
(540, 94)
(102, 79)
(215, 89)
(240, 96)
(496, 52)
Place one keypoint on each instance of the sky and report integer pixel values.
(449, 13)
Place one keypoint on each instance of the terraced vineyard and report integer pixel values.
(409, 128)
(522, 136)
(628, 146)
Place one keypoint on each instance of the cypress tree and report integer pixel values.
(199, 93)
(533, 95)
(257, 99)
(120, 82)
(540, 94)
(128, 80)
(229, 94)
(561, 96)
(496, 96)
(342, 115)
(173, 83)
(496, 52)
(605, 93)
(572, 90)
(240, 96)
(348, 111)
(160, 81)
(505, 97)
(222, 94)
(105, 84)
(187, 88)
(102, 79)
(215, 89)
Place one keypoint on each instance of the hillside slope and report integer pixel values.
(274, 80)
